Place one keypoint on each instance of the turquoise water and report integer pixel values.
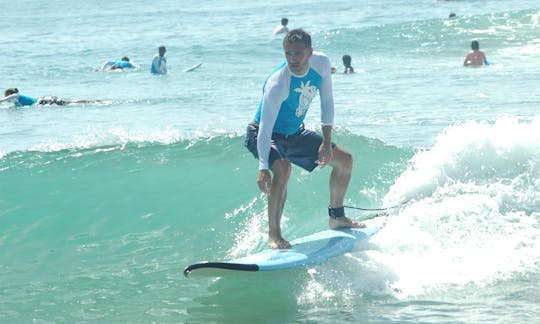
(102, 206)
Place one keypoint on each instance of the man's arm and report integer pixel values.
(163, 65)
(274, 94)
(327, 115)
(10, 97)
(264, 142)
(326, 94)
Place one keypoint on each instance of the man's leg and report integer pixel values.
(281, 170)
(341, 163)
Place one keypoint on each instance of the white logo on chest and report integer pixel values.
(307, 93)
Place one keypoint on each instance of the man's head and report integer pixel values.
(297, 47)
(475, 45)
(10, 91)
(162, 50)
(284, 21)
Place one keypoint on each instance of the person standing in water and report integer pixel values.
(276, 134)
(159, 63)
(475, 57)
(281, 29)
(347, 63)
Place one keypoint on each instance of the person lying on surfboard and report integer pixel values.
(20, 100)
(123, 63)
(276, 135)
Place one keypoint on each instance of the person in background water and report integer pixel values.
(13, 95)
(159, 63)
(475, 57)
(124, 63)
(281, 29)
(347, 63)
(277, 138)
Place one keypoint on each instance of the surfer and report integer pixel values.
(19, 99)
(475, 57)
(347, 63)
(281, 29)
(276, 135)
(123, 63)
(159, 62)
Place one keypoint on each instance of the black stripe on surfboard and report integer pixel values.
(220, 265)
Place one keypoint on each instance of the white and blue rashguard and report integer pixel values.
(286, 100)
(159, 65)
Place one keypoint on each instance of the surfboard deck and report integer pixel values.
(194, 67)
(311, 249)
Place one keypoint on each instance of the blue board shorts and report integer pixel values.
(300, 148)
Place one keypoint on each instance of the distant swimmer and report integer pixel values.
(19, 100)
(123, 63)
(282, 29)
(475, 57)
(159, 63)
(347, 63)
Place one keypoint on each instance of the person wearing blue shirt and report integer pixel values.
(18, 99)
(277, 138)
(123, 63)
(21, 100)
(159, 63)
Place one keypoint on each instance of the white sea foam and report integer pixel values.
(475, 210)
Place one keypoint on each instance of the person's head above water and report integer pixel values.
(162, 50)
(125, 58)
(10, 91)
(475, 45)
(284, 21)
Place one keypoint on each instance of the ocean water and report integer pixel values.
(102, 206)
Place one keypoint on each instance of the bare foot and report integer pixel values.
(279, 244)
(344, 221)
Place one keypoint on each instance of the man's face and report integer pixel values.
(297, 56)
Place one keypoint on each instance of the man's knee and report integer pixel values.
(344, 160)
(348, 161)
(282, 171)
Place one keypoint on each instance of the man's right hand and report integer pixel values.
(264, 180)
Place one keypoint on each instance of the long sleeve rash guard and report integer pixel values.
(286, 100)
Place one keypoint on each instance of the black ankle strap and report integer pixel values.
(336, 212)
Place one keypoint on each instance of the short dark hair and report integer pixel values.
(297, 36)
(284, 21)
(10, 91)
(475, 45)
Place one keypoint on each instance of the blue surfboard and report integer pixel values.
(311, 249)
